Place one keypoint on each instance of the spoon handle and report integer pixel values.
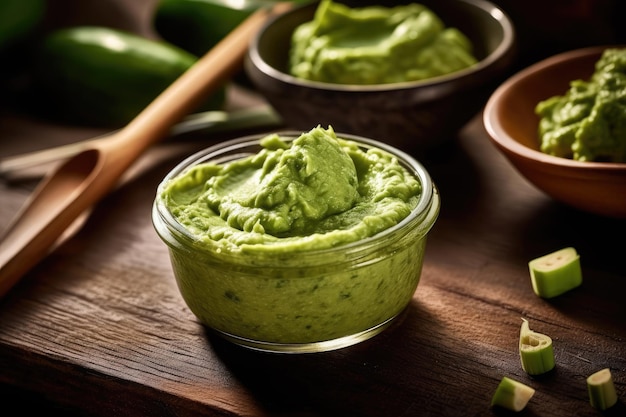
(84, 179)
(188, 91)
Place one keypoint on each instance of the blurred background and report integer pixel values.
(543, 28)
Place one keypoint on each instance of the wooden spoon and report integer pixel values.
(87, 177)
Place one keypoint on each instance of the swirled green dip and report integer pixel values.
(318, 191)
(588, 122)
(377, 45)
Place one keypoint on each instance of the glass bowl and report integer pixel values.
(298, 301)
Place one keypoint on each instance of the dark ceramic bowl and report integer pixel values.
(512, 125)
(410, 115)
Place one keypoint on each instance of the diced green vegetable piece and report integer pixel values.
(535, 350)
(556, 273)
(602, 394)
(512, 394)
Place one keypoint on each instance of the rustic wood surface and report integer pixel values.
(99, 328)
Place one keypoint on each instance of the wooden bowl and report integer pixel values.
(510, 120)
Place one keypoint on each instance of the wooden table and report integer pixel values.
(99, 328)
